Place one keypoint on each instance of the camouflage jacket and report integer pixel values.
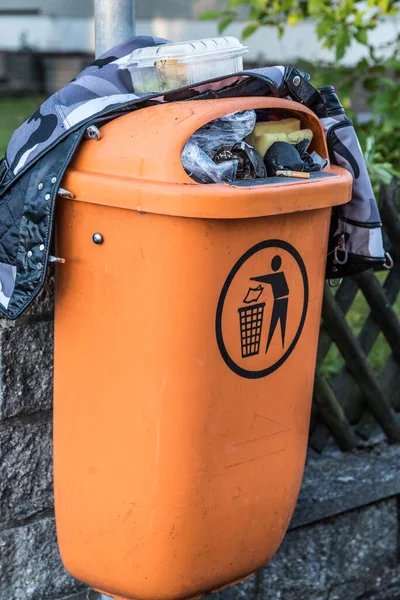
(41, 149)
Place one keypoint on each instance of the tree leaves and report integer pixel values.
(324, 27)
(362, 36)
(315, 5)
(224, 23)
(236, 3)
(210, 15)
(342, 40)
(338, 24)
(249, 30)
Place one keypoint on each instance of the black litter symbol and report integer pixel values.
(284, 282)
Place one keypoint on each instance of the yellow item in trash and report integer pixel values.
(282, 126)
(264, 141)
(298, 136)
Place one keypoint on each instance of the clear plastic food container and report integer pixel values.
(170, 66)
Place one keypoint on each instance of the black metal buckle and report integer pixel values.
(3, 171)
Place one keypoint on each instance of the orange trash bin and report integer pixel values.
(185, 345)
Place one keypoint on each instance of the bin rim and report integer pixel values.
(209, 201)
(151, 178)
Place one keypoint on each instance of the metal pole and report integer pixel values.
(114, 23)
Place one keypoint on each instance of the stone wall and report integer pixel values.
(343, 539)
(30, 567)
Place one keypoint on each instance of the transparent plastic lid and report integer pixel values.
(187, 52)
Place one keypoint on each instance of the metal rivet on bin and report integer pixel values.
(296, 80)
(65, 193)
(54, 179)
(92, 133)
(98, 238)
(41, 247)
(40, 186)
(29, 253)
(47, 197)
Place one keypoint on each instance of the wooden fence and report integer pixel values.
(350, 402)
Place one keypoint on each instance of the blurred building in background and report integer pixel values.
(45, 43)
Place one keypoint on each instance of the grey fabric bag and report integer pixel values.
(40, 150)
(355, 242)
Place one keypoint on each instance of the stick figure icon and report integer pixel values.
(280, 290)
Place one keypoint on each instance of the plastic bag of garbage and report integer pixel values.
(205, 142)
(250, 165)
(203, 169)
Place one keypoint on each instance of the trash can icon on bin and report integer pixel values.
(185, 348)
(251, 322)
(252, 317)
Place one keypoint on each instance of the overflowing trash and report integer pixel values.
(238, 147)
(249, 162)
(217, 152)
(294, 157)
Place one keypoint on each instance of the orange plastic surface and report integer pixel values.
(137, 165)
(178, 445)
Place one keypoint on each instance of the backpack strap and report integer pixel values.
(300, 89)
(5, 173)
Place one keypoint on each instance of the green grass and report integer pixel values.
(13, 112)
